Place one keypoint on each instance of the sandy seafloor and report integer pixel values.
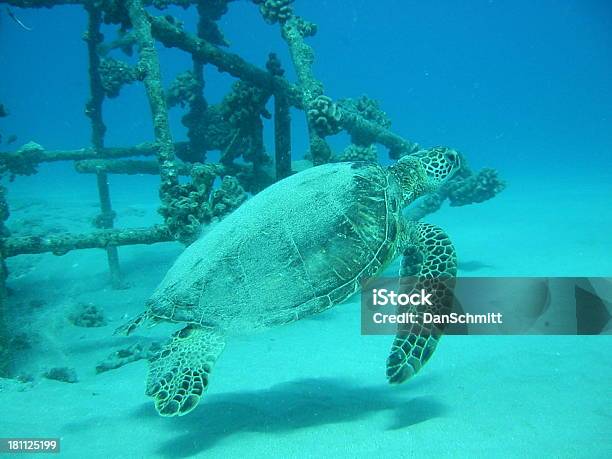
(316, 388)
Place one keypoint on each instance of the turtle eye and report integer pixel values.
(452, 158)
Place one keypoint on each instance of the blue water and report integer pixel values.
(523, 87)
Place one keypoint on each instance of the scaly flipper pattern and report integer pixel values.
(178, 375)
(429, 262)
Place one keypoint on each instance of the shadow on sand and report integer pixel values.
(473, 265)
(289, 406)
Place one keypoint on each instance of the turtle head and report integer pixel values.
(440, 164)
(425, 171)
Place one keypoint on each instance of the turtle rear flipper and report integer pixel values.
(178, 374)
(429, 263)
(132, 324)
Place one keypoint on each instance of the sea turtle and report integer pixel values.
(297, 248)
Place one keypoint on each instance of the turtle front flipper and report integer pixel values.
(429, 263)
(178, 374)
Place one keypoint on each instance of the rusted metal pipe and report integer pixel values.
(63, 243)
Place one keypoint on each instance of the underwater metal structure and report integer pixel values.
(234, 127)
